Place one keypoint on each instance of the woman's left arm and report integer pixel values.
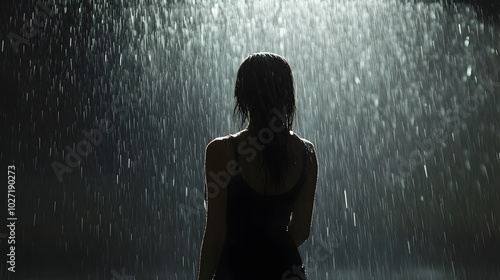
(215, 227)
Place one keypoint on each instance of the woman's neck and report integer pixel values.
(253, 128)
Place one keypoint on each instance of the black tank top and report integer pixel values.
(258, 245)
(262, 211)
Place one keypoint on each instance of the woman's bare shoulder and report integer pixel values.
(223, 143)
(223, 139)
(308, 144)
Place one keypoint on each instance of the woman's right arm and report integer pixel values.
(300, 223)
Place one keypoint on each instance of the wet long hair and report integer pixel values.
(264, 92)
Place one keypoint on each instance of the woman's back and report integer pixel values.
(258, 213)
(250, 162)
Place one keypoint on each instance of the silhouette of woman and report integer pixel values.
(260, 182)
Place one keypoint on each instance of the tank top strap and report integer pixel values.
(235, 149)
(306, 154)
